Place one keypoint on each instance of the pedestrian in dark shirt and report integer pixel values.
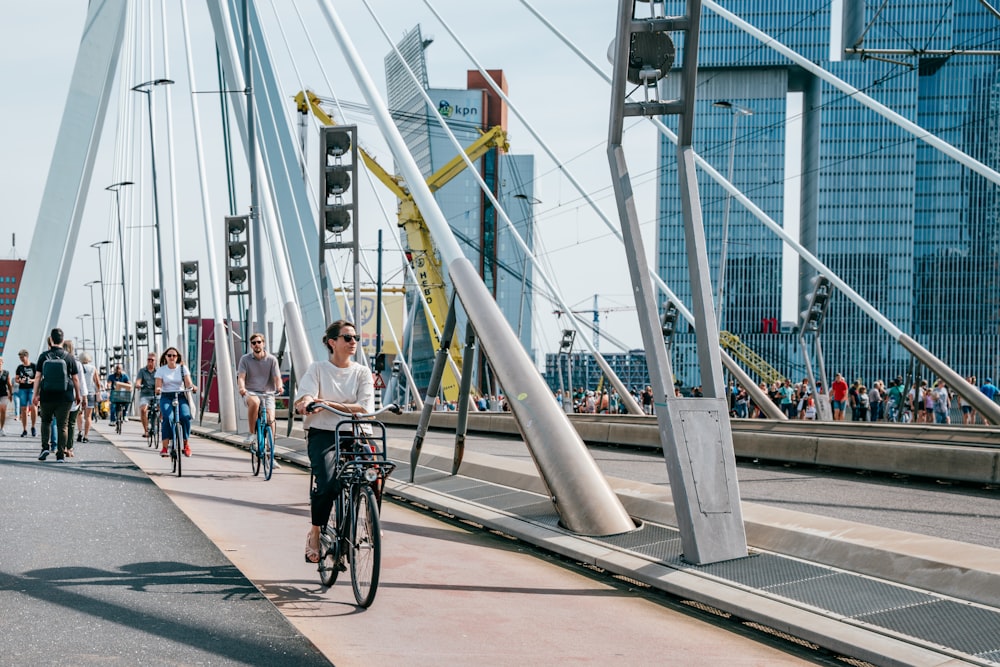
(56, 403)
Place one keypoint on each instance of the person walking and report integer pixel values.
(942, 403)
(838, 397)
(25, 377)
(6, 393)
(93, 381)
(80, 404)
(145, 381)
(171, 378)
(258, 372)
(342, 384)
(56, 387)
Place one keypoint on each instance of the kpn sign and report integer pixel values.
(366, 323)
(462, 105)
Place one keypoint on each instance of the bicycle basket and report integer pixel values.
(121, 396)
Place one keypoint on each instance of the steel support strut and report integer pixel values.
(695, 433)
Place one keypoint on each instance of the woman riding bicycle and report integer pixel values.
(342, 384)
(172, 377)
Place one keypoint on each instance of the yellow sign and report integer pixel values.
(366, 323)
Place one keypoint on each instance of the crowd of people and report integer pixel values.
(59, 396)
(921, 402)
(893, 401)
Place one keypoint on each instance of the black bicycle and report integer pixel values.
(353, 532)
(120, 399)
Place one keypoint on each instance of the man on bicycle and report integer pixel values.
(258, 372)
(145, 379)
(114, 380)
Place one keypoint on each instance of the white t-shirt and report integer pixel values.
(322, 379)
(173, 378)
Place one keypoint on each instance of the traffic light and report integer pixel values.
(818, 299)
(668, 322)
(116, 353)
(189, 283)
(338, 182)
(141, 331)
(157, 312)
(566, 344)
(237, 247)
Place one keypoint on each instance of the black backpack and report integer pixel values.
(55, 374)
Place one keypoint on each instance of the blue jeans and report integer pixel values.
(167, 410)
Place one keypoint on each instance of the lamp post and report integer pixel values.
(104, 305)
(737, 111)
(93, 327)
(116, 188)
(83, 333)
(146, 89)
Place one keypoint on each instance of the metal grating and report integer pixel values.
(763, 571)
(962, 627)
(851, 595)
(646, 534)
(958, 625)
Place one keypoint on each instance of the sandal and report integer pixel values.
(312, 549)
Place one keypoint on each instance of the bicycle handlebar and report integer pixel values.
(391, 407)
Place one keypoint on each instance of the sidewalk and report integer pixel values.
(947, 608)
(450, 594)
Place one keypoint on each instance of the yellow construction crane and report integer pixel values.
(765, 371)
(422, 254)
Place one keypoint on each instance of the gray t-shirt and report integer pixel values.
(260, 373)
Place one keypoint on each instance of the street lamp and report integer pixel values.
(146, 89)
(104, 306)
(737, 111)
(93, 327)
(83, 333)
(116, 188)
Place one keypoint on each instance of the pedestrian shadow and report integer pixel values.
(228, 627)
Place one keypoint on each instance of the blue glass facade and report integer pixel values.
(909, 229)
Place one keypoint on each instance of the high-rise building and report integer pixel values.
(482, 235)
(911, 230)
(11, 271)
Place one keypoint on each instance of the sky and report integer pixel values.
(560, 96)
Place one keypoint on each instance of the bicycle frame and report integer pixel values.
(262, 452)
(175, 428)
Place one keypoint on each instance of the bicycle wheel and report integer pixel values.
(119, 413)
(178, 444)
(366, 548)
(329, 549)
(267, 454)
(255, 449)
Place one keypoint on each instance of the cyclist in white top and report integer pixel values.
(342, 384)
(171, 378)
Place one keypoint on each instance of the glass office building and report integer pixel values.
(481, 233)
(908, 228)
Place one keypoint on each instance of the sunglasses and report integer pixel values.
(170, 356)
(256, 342)
(348, 338)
